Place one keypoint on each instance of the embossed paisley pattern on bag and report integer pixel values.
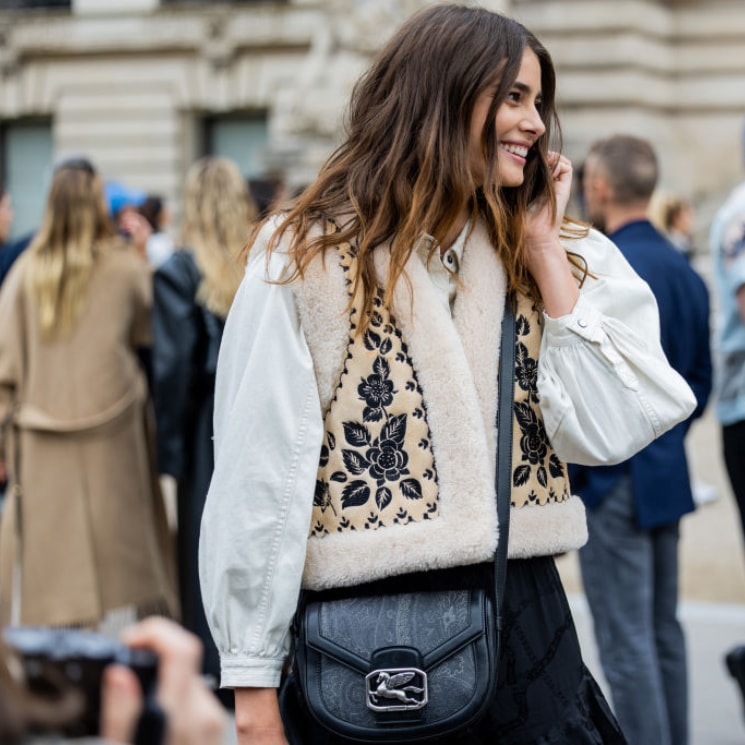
(538, 476)
(377, 467)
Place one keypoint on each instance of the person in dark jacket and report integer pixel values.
(630, 564)
(193, 291)
(10, 250)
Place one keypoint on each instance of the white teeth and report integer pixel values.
(520, 150)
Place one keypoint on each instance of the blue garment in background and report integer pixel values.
(659, 473)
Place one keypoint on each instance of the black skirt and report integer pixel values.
(545, 694)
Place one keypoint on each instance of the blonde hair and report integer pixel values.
(664, 210)
(218, 214)
(74, 228)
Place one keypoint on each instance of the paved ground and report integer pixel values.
(713, 598)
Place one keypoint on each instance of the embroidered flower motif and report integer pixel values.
(533, 440)
(387, 457)
(376, 391)
(526, 371)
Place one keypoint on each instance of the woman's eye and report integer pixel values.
(513, 96)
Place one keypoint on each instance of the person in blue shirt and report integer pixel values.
(727, 241)
(630, 563)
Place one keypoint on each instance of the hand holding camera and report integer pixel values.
(146, 691)
(193, 715)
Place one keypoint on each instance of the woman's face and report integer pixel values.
(518, 124)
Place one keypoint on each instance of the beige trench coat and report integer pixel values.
(93, 536)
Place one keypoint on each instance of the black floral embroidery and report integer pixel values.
(533, 440)
(526, 367)
(538, 464)
(376, 391)
(322, 498)
(388, 459)
(367, 464)
(384, 459)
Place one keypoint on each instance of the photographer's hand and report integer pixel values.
(194, 717)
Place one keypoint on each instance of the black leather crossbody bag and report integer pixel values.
(414, 657)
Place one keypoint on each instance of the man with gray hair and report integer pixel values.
(630, 563)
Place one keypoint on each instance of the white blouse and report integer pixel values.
(596, 364)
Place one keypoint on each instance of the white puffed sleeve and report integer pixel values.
(268, 433)
(605, 385)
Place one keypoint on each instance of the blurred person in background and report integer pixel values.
(675, 218)
(10, 250)
(84, 537)
(124, 204)
(630, 561)
(193, 291)
(159, 244)
(727, 242)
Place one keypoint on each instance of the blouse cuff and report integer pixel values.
(250, 672)
(584, 321)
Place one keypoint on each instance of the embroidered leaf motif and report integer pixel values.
(522, 326)
(339, 476)
(383, 497)
(542, 478)
(354, 461)
(386, 346)
(372, 340)
(521, 475)
(331, 441)
(324, 459)
(355, 494)
(555, 467)
(376, 320)
(356, 435)
(411, 489)
(525, 416)
(370, 414)
(381, 367)
(319, 498)
(394, 429)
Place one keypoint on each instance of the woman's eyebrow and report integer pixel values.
(524, 88)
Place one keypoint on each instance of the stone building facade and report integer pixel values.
(146, 86)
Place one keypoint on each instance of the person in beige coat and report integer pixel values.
(83, 531)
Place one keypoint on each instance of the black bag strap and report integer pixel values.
(503, 479)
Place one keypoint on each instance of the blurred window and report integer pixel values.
(205, 2)
(19, 4)
(241, 137)
(26, 153)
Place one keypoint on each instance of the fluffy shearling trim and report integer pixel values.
(466, 530)
(322, 304)
(547, 529)
(479, 307)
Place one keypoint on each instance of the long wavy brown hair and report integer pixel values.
(74, 228)
(218, 215)
(404, 168)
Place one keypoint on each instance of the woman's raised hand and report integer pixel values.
(544, 254)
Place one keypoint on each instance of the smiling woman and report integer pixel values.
(370, 319)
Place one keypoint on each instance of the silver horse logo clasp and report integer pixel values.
(386, 686)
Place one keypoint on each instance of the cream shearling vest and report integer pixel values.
(406, 479)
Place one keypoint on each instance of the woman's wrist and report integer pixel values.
(257, 711)
(551, 271)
